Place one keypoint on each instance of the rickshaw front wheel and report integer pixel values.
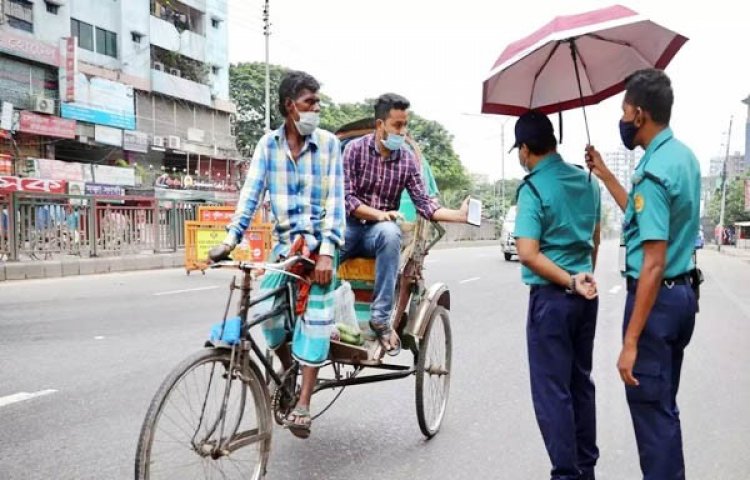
(433, 372)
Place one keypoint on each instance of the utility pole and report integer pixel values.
(502, 167)
(724, 183)
(267, 34)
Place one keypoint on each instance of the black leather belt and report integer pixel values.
(683, 279)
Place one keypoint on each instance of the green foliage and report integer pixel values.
(735, 203)
(247, 89)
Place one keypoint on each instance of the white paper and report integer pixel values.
(475, 212)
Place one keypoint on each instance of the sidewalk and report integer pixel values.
(743, 253)
(29, 270)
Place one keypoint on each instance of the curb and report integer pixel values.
(10, 271)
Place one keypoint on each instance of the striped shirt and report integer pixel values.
(371, 180)
(306, 196)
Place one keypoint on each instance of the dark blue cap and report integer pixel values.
(533, 125)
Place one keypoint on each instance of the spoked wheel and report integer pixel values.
(433, 372)
(207, 422)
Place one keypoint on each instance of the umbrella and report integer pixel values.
(576, 60)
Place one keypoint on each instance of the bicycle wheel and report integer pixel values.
(207, 422)
(433, 372)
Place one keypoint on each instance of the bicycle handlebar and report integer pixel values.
(282, 266)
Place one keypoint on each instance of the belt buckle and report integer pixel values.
(669, 284)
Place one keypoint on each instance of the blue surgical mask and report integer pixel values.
(393, 142)
(628, 130)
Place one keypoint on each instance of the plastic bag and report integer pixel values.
(344, 312)
(227, 332)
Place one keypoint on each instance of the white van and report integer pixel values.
(506, 234)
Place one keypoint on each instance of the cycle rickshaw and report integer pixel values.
(214, 413)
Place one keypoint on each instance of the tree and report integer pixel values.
(735, 203)
(247, 88)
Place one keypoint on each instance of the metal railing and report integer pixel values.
(50, 226)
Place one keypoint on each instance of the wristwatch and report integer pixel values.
(571, 290)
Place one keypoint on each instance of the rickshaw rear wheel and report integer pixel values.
(433, 372)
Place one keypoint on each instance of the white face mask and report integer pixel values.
(307, 123)
(524, 164)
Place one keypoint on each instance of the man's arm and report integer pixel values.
(334, 221)
(528, 232)
(252, 190)
(599, 168)
(649, 284)
(427, 207)
(354, 205)
(652, 211)
(597, 241)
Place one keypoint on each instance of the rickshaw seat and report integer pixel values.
(357, 269)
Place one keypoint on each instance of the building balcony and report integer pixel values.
(174, 86)
(166, 35)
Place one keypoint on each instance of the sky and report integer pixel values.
(437, 54)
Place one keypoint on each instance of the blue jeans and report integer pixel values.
(382, 241)
(560, 335)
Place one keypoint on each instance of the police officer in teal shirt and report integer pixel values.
(661, 223)
(557, 232)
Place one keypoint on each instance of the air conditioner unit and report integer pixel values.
(159, 66)
(174, 142)
(158, 141)
(176, 72)
(44, 105)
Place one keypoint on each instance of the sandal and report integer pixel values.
(384, 334)
(299, 422)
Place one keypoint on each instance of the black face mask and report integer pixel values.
(628, 130)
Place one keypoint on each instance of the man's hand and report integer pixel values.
(585, 285)
(219, 252)
(463, 212)
(595, 163)
(390, 216)
(323, 273)
(625, 364)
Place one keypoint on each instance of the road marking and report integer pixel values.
(615, 290)
(22, 396)
(187, 290)
(99, 337)
(468, 280)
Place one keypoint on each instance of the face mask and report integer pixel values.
(628, 130)
(307, 123)
(393, 142)
(524, 164)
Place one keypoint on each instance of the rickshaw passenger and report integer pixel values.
(377, 169)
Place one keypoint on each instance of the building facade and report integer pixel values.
(136, 84)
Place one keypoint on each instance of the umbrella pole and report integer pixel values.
(574, 54)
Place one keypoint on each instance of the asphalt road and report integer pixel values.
(91, 351)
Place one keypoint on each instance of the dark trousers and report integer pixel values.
(560, 335)
(653, 404)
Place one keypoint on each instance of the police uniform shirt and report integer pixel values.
(560, 207)
(664, 204)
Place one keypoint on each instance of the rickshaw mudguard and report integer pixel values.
(437, 295)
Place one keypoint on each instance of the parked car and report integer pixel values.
(506, 234)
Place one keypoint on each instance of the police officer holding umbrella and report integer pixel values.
(661, 223)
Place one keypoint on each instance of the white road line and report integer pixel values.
(187, 290)
(615, 290)
(99, 337)
(22, 396)
(468, 280)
